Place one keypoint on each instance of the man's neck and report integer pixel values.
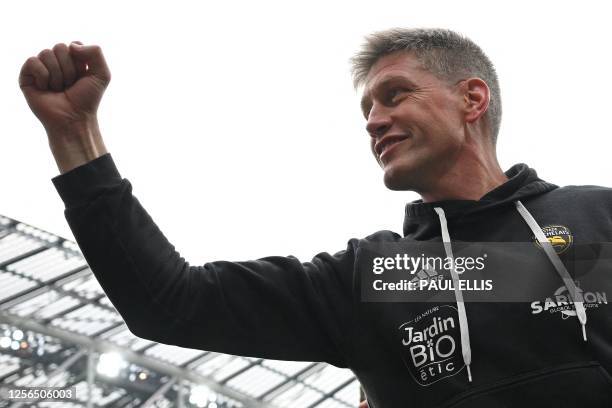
(467, 182)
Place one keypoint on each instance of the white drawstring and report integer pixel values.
(463, 323)
(575, 293)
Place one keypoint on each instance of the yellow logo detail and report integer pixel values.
(559, 236)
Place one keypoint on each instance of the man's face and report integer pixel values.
(414, 120)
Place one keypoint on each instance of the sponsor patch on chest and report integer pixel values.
(431, 345)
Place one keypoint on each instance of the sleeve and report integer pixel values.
(274, 307)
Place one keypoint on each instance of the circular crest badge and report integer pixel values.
(559, 236)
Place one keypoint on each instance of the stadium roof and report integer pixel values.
(57, 328)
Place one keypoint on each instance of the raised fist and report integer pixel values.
(64, 85)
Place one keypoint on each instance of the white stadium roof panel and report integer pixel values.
(58, 327)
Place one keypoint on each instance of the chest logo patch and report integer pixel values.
(559, 236)
(431, 345)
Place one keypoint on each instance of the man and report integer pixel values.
(433, 110)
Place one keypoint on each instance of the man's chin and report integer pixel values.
(399, 179)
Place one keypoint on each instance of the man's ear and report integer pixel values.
(476, 98)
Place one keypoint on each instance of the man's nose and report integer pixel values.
(379, 121)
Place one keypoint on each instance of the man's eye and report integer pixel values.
(395, 93)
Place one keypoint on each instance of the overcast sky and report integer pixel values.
(238, 126)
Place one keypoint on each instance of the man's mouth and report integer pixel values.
(387, 142)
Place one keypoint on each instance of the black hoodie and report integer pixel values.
(520, 354)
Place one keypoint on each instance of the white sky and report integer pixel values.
(238, 126)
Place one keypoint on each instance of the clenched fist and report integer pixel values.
(63, 86)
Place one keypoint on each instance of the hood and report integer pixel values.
(523, 182)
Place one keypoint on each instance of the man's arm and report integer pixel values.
(274, 307)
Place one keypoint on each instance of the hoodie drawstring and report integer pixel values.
(463, 323)
(569, 283)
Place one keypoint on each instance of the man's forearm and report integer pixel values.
(76, 145)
